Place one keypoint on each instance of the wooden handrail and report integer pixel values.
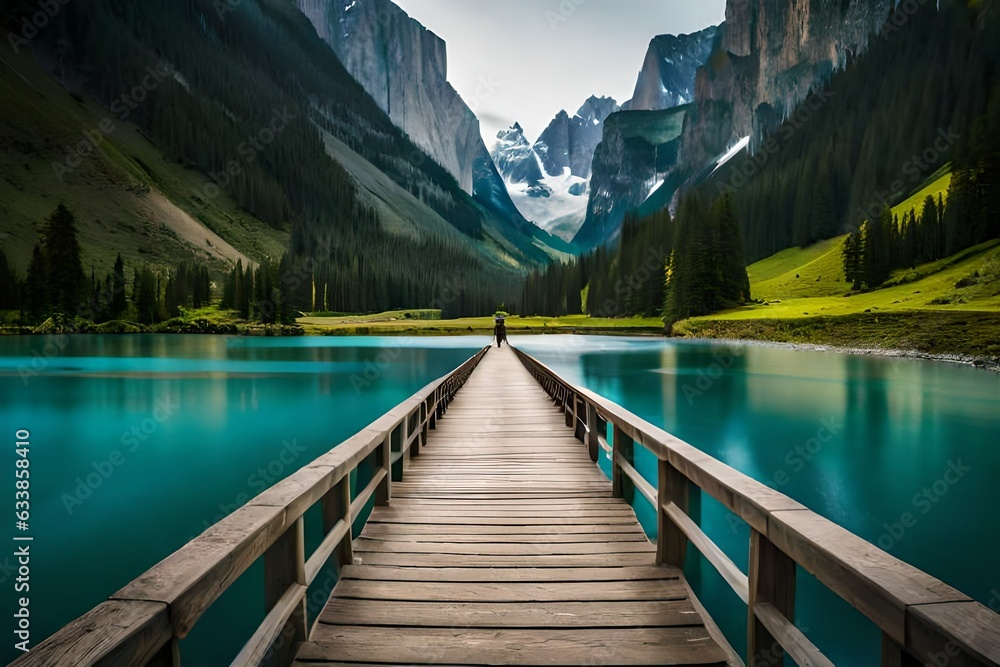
(921, 618)
(142, 623)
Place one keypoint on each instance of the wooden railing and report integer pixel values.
(923, 620)
(142, 623)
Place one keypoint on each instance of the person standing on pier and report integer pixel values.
(499, 328)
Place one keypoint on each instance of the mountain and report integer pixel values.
(668, 72)
(240, 136)
(638, 152)
(766, 59)
(404, 67)
(770, 56)
(549, 180)
(569, 143)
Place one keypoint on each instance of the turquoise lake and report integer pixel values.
(861, 440)
(138, 443)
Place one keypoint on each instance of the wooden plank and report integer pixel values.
(967, 633)
(771, 581)
(790, 638)
(876, 583)
(453, 560)
(117, 632)
(191, 579)
(510, 574)
(559, 591)
(385, 529)
(628, 614)
(364, 545)
(284, 597)
(563, 646)
(738, 581)
(507, 538)
(510, 521)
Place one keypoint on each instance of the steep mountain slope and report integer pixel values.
(911, 103)
(127, 196)
(549, 180)
(767, 57)
(634, 168)
(668, 72)
(569, 143)
(404, 67)
(242, 95)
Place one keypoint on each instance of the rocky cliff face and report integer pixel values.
(771, 54)
(632, 164)
(404, 67)
(569, 143)
(668, 72)
(768, 56)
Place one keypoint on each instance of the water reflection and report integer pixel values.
(862, 440)
(140, 442)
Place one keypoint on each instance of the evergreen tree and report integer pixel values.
(147, 297)
(62, 250)
(8, 285)
(37, 297)
(735, 281)
(119, 302)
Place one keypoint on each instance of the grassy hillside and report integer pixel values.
(127, 197)
(952, 305)
(412, 323)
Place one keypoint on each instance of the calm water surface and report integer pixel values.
(139, 443)
(861, 440)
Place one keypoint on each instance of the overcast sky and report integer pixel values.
(524, 60)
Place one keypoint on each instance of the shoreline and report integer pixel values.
(983, 362)
(980, 362)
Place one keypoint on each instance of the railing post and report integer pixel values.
(894, 655)
(168, 656)
(772, 580)
(593, 442)
(285, 566)
(671, 543)
(621, 450)
(383, 459)
(419, 441)
(569, 407)
(403, 436)
(336, 505)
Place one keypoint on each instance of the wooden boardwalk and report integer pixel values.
(505, 546)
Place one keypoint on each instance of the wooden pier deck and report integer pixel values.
(503, 545)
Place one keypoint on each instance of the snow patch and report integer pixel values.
(732, 152)
(656, 186)
(561, 213)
